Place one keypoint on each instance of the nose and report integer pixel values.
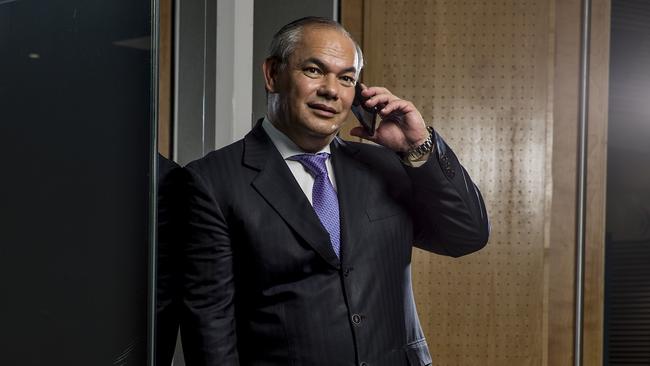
(329, 88)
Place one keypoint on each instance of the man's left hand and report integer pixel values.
(402, 126)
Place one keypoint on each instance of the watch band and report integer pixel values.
(418, 152)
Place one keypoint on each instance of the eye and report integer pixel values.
(348, 80)
(312, 71)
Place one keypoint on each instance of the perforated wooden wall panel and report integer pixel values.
(479, 71)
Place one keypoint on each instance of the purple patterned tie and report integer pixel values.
(323, 196)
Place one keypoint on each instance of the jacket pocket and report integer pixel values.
(417, 353)
(382, 211)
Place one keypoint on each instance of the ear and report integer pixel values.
(270, 69)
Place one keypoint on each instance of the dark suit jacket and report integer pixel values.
(262, 283)
(170, 224)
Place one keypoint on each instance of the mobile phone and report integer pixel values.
(366, 116)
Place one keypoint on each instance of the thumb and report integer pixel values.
(361, 132)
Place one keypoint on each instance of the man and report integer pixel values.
(299, 244)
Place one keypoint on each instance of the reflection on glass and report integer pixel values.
(168, 286)
(75, 115)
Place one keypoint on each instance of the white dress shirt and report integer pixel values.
(287, 149)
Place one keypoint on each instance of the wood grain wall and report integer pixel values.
(596, 182)
(165, 77)
(499, 80)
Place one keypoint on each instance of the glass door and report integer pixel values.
(76, 133)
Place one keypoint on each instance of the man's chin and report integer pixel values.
(325, 130)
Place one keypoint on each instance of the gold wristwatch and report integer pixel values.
(416, 153)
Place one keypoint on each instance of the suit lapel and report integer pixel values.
(279, 188)
(352, 181)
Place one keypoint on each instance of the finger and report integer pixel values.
(396, 107)
(374, 90)
(362, 133)
(380, 100)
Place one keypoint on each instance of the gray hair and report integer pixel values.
(286, 40)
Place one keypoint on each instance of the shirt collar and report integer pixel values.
(283, 143)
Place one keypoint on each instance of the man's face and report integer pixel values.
(316, 87)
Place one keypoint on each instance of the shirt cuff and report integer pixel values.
(418, 163)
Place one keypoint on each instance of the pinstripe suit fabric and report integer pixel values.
(262, 284)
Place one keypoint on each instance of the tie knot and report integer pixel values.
(314, 163)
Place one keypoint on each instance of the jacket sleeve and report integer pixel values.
(208, 321)
(447, 207)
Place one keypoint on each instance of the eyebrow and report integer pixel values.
(322, 65)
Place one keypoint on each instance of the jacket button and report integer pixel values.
(450, 172)
(347, 271)
(356, 319)
(363, 364)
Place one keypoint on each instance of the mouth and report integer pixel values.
(322, 109)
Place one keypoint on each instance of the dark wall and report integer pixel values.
(627, 261)
(75, 132)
